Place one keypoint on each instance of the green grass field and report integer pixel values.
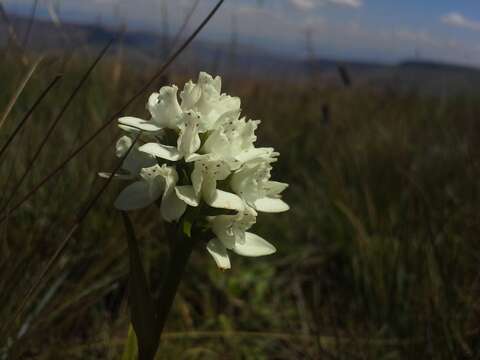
(377, 258)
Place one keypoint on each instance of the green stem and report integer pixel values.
(180, 253)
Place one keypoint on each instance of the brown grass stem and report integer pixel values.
(25, 118)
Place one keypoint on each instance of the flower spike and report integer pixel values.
(197, 151)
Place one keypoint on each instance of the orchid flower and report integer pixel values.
(233, 139)
(187, 143)
(206, 98)
(231, 234)
(134, 162)
(155, 182)
(165, 112)
(206, 172)
(252, 183)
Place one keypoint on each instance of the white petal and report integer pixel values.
(229, 116)
(197, 178)
(207, 106)
(254, 245)
(172, 207)
(271, 205)
(152, 101)
(258, 154)
(223, 226)
(123, 145)
(225, 200)
(219, 253)
(221, 169)
(207, 79)
(190, 95)
(129, 129)
(135, 196)
(164, 107)
(209, 188)
(162, 151)
(217, 143)
(187, 194)
(107, 175)
(275, 187)
(189, 141)
(139, 124)
(136, 161)
(195, 157)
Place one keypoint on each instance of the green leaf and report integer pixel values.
(130, 351)
(144, 316)
(187, 228)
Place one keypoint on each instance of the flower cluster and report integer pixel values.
(199, 152)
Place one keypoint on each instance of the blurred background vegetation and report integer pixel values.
(377, 258)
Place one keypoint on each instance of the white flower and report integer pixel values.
(187, 143)
(206, 98)
(133, 163)
(156, 181)
(164, 107)
(206, 172)
(231, 233)
(252, 183)
(233, 139)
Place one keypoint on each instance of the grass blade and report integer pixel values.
(31, 20)
(142, 306)
(29, 113)
(19, 91)
(185, 23)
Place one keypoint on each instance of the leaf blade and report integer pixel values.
(142, 307)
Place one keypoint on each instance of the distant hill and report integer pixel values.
(144, 47)
(436, 78)
(427, 77)
(437, 66)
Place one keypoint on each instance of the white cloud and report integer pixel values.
(251, 13)
(310, 4)
(349, 3)
(458, 20)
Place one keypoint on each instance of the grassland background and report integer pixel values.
(377, 259)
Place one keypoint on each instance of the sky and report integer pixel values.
(368, 30)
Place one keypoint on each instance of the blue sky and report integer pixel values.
(378, 30)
